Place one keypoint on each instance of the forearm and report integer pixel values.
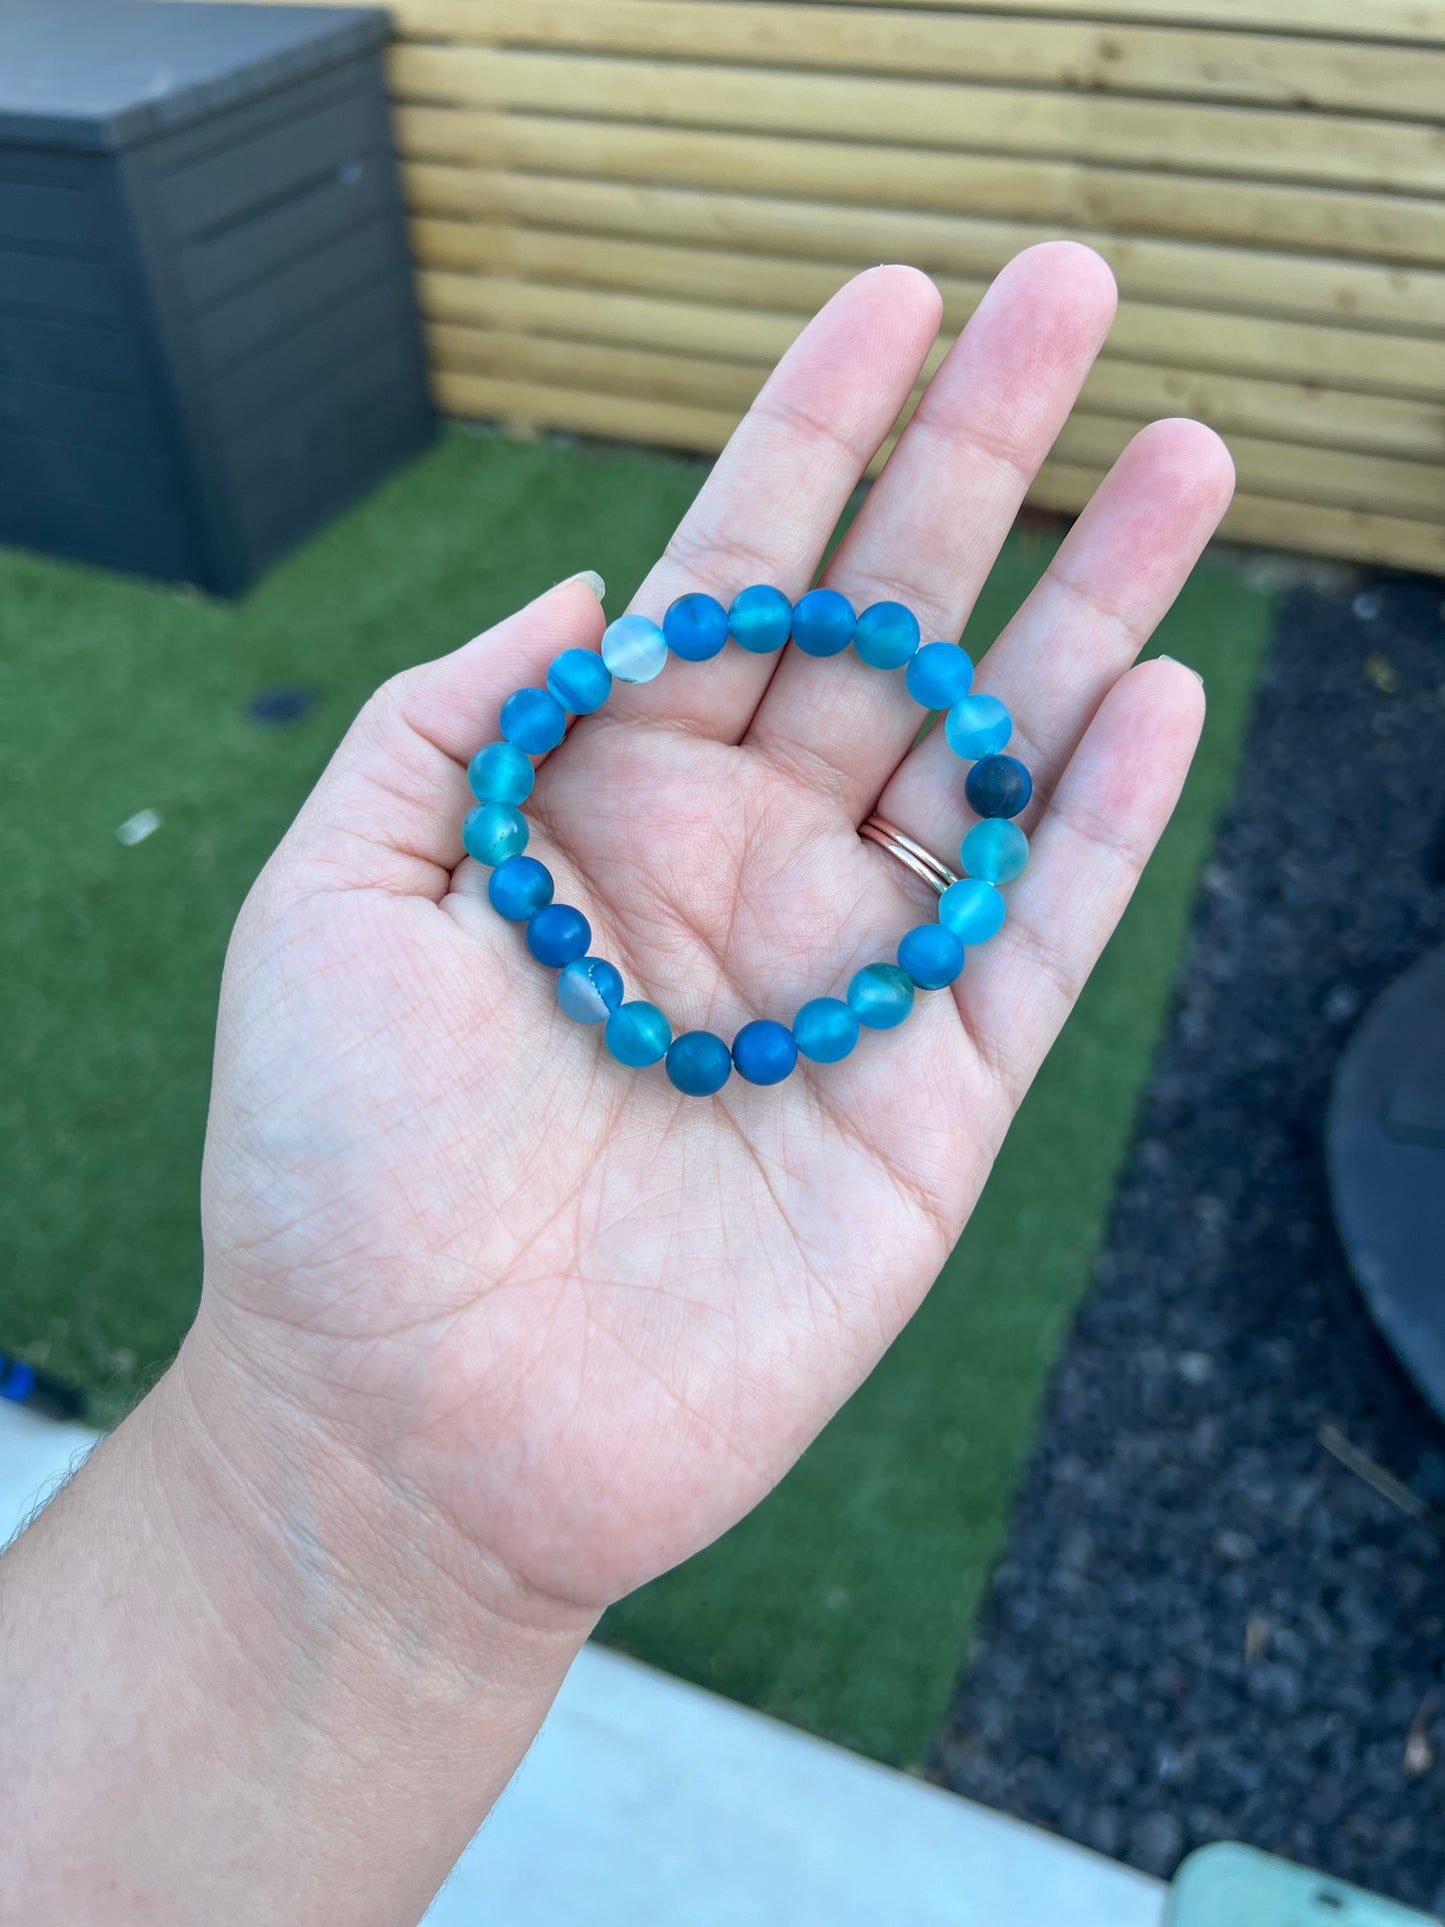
(242, 1683)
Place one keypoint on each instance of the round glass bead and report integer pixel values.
(764, 1051)
(825, 1030)
(698, 1063)
(995, 850)
(589, 990)
(558, 935)
(580, 680)
(940, 675)
(760, 619)
(533, 720)
(494, 831)
(972, 909)
(823, 623)
(886, 635)
(932, 955)
(998, 786)
(634, 649)
(501, 774)
(880, 996)
(519, 887)
(977, 726)
(637, 1034)
(696, 627)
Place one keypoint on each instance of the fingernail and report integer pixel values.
(1184, 665)
(590, 577)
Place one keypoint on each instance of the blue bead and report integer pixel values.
(580, 680)
(760, 619)
(886, 635)
(940, 675)
(995, 850)
(998, 786)
(501, 774)
(880, 996)
(589, 990)
(637, 1034)
(696, 627)
(634, 649)
(972, 909)
(494, 831)
(823, 623)
(977, 726)
(825, 1030)
(533, 720)
(932, 955)
(558, 935)
(764, 1051)
(699, 1063)
(519, 887)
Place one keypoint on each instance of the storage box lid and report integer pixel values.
(103, 74)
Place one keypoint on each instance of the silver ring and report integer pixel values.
(921, 862)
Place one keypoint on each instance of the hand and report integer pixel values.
(573, 1323)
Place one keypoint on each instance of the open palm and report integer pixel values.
(582, 1319)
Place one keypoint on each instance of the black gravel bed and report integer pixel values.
(1206, 1625)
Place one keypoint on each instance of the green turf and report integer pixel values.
(843, 1603)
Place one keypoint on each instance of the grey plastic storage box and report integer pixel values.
(208, 335)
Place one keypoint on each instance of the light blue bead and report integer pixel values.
(977, 726)
(886, 635)
(580, 680)
(696, 627)
(972, 909)
(823, 623)
(932, 955)
(634, 648)
(764, 1051)
(589, 990)
(533, 720)
(825, 1030)
(501, 774)
(494, 831)
(760, 619)
(995, 850)
(519, 887)
(940, 675)
(880, 996)
(637, 1034)
(699, 1063)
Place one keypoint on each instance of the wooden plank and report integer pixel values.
(1242, 278)
(1172, 137)
(1379, 227)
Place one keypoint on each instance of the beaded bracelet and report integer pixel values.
(761, 619)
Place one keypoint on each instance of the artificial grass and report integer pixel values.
(843, 1603)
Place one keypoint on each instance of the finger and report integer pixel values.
(1093, 610)
(1111, 803)
(937, 516)
(387, 812)
(777, 490)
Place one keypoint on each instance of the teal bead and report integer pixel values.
(637, 1034)
(760, 619)
(995, 851)
(494, 831)
(880, 996)
(977, 726)
(764, 1051)
(972, 909)
(940, 675)
(698, 1063)
(533, 720)
(696, 627)
(886, 635)
(589, 990)
(823, 623)
(580, 680)
(825, 1030)
(932, 955)
(634, 649)
(501, 774)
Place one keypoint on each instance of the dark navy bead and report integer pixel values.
(533, 720)
(823, 623)
(558, 935)
(519, 887)
(696, 627)
(998, 786)
(698, 1063)
(760, 619)
(932, 955)
(764, 1051)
